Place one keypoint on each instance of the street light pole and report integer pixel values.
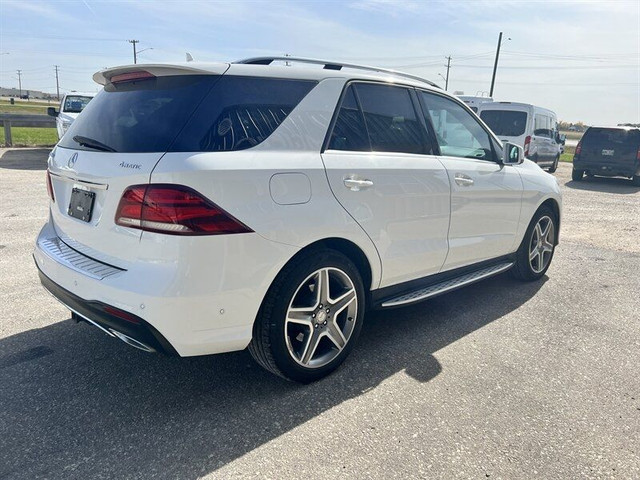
(495, 65)
(20, 82)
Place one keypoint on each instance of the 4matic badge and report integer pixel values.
(135, 166)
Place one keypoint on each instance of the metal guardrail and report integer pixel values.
(18, 120)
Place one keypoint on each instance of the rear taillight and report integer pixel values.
(578, 148)
(638, 154)
(174, 209)
(50, 187)
(527, 142)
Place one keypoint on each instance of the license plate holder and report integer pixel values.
(81, 204)
(608, 153)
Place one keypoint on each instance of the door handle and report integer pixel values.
(463, 180)
(357, 184)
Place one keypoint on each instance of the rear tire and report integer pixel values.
(310, 318)
(538, 246)
(554, 167)
(576, 175)
(636, 180)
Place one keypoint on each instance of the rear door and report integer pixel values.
(116, 142)
(381, 168)
(486, 196)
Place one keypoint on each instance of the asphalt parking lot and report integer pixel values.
(498, 380)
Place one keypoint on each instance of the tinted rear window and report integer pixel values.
(187, 113)
(509, 123)
(607, 136)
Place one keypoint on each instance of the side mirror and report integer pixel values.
(512, 154)
(52, 112)
(563, 138)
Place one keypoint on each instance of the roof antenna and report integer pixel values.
(189, 57)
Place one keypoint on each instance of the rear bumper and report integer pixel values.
(622, 168)
(194, 296)
(97, 313)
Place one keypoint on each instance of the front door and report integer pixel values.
(486, 196)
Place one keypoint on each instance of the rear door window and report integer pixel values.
(391, 119)
(458, 132)
(349, 131)
(509, 123)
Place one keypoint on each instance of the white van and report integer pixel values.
(533, 128)
(70, 107)
(474, 102)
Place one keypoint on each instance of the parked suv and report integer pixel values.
(206, 208)
(608, 151)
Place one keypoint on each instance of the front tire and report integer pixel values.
(576, 175)
(538, 246)
(310, 318)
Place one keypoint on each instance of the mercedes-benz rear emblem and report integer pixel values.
(72, 160)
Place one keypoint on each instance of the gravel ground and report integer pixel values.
(497, 380)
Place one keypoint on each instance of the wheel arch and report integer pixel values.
(350, 250)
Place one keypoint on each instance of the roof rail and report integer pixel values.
(332, 66)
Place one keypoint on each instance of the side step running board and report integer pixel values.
(447, 285)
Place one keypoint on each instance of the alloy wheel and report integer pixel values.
(321, 317)
(541, 245)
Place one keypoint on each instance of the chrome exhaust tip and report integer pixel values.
(132, 341)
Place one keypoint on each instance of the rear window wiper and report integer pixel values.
(91, 143)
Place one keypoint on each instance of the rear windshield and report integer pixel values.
(509, 123)
(185, 113)
(608, 136)
(75, 103)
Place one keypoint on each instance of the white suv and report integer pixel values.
(203, 208)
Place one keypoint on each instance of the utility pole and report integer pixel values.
(57, 83)
(20, 82)
(446, 82)
(133, 42)
(495, 65)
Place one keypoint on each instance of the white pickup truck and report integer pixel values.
(70, 107)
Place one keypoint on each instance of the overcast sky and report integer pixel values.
(578, 58)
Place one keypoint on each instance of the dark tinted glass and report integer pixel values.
(140, 116)
(596, 136)
(240, 112)
(391, 119)
(349, 132)
(505, 122)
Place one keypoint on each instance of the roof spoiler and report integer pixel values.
(161, 70)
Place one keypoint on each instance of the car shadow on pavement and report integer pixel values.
(25, 159)
(75, 403)
(604, 184)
